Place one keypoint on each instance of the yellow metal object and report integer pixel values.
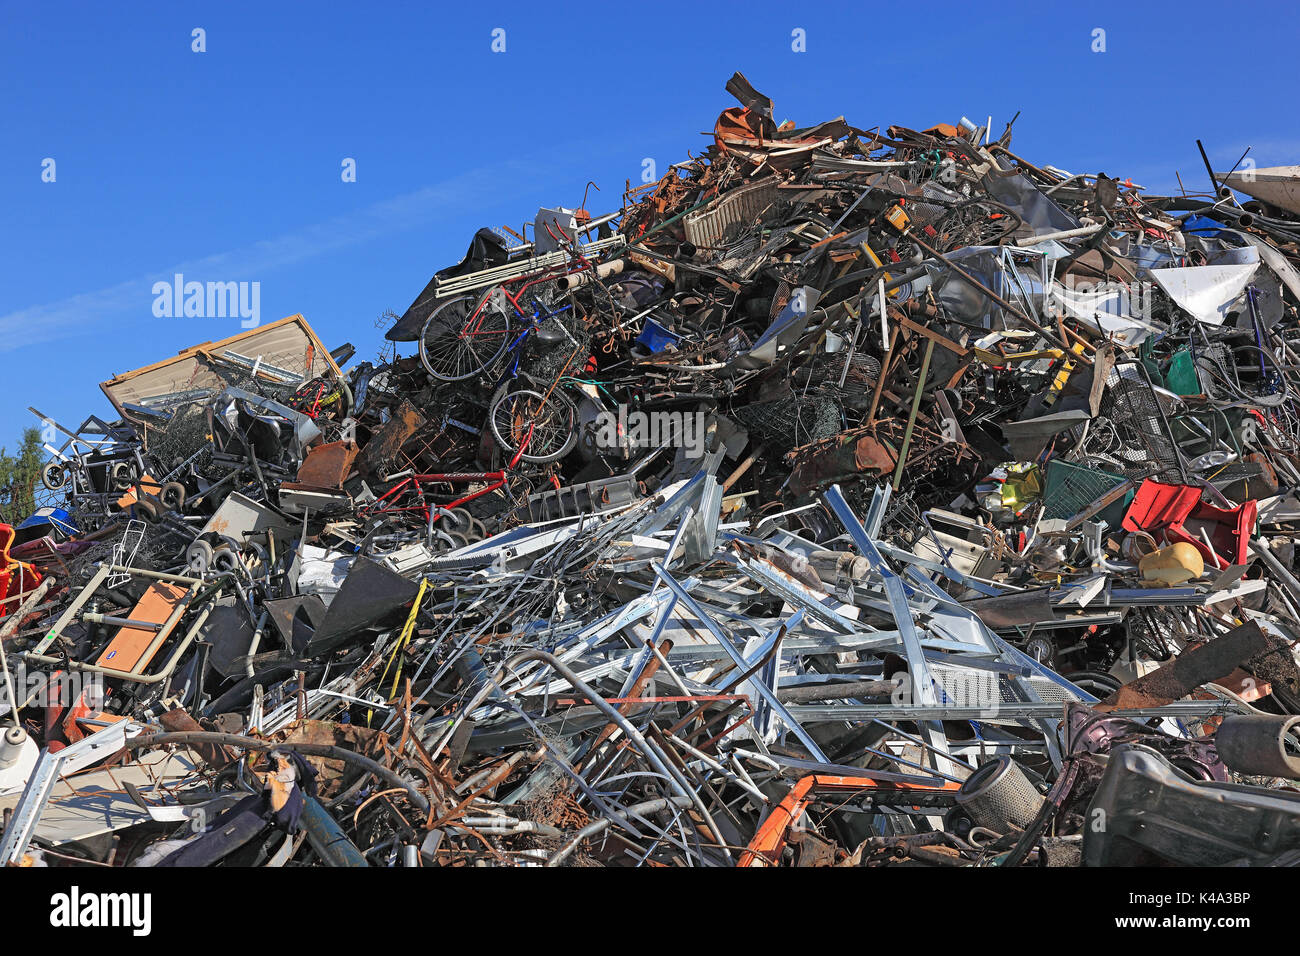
(872, 257)
(403, 639)
(1023, 485)
(876, 261)
(897, 218)
(1062, 376)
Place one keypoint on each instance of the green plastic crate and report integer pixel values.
(1070, 488)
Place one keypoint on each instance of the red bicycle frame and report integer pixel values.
(582, 264)
(496, 479)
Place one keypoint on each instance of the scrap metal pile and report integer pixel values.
(847, 497)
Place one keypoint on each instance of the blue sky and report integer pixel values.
(225, 165)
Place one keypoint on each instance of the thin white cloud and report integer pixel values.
(53, 320)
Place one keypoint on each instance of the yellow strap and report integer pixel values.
(403, 639)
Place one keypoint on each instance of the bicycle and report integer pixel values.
(467, 334)
(547, 420)
(539, 427)
(409, 498)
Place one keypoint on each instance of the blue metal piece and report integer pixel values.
(1203, 226)
(655, 337)
(56, 518)
(327, 837)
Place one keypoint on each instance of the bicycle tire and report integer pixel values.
(450, 357)
(512, 412)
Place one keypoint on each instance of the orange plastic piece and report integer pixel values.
(768, 842)
(16, 577)
(127, 649)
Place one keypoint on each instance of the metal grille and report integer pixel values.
(1047, 690)
(730, 213)
(967, 686)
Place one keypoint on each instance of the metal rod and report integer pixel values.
(911, 418)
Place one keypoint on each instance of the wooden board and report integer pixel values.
(128, 647)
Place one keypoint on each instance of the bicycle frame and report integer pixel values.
(475, 320)
(416, 483)
(495, 479)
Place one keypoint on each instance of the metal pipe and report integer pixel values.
(327, 837)
(72, 609)
(253, 743)
(591, 829)
(1063, 234)
(1262, 548)
(880, 379)
(256, 641)
(92, 618)
(579, 279)
(916, 409)
(156, 575)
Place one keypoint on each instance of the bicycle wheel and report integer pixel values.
(456, 343)
(547, 423)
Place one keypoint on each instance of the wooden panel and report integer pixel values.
(127, 648)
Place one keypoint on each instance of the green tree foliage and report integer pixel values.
(19, 476)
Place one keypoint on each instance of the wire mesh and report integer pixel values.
(792, 421)
(1131, 403)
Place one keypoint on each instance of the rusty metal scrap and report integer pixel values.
(841, 499)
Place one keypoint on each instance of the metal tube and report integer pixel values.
(652, 753)
(1261, 547)
(916, 409)
(327, 838)
(156, 575)
(256, 641)
(1064, 234)
(109, 619)
(591, 829)
(70, 614)
(880, 379)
